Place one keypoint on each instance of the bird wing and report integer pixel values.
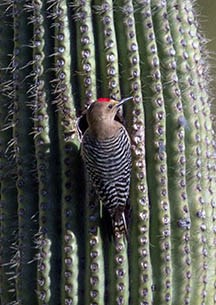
(108, 164)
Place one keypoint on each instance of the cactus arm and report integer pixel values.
(206, 213)
(107, 65)
(42, 143)
(154, 105)
(139, 259)
(8, 203)
(176, 156)
(208, 151)
(192, 97)
(43, 269)
(190, 142)
(121, 272)
(85, 70)
(68, 152)
(24, 156)
(117, 262)
(47, 289)
(86, 75)
(203, 126)
(117, 274)
(8, 216)
(94, 266)
(107, 68)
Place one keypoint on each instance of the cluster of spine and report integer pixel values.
(8, 205)
(56, 57)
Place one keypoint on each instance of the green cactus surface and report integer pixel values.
(56, 57)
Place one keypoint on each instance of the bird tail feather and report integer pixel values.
(120, 225)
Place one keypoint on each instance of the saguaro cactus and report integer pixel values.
(57, 56)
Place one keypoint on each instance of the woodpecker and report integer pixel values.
(106, 151)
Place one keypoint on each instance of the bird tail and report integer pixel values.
(119, 225)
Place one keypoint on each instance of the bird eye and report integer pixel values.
(110, 106)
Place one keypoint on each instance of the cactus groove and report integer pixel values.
(56, 57)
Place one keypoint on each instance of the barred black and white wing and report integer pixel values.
(108, 163)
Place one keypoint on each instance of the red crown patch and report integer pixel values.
(103, 99)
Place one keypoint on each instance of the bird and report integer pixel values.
(106, 152)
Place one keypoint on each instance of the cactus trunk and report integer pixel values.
(56, 57)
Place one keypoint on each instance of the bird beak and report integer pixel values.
(124, 100)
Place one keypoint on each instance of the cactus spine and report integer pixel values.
(55, 57)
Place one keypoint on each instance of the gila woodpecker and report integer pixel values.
(106, 151)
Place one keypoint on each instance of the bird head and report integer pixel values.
(104, 110)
